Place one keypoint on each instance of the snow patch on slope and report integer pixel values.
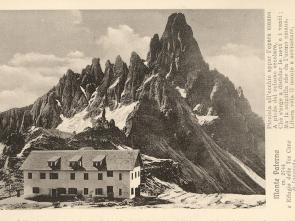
(170, 71)
(114, 84)
(92, 98)
(182, 199)
(83, 90)
(181, 91)
(120, 114)
(2, 146)
(260, 181)
(205, 119)
(79, 121)
(122, 147)
(150, 78)
(33, 129)
(197, 107)
(27, 146)
(58, 103)
(76, 123)
(149, 159)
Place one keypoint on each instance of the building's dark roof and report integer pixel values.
(115, 159)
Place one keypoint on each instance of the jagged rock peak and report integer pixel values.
(108, 64)
(69, 77)
(120, 67)
(108, 77)
(136, 75)
(95, 61)
(119, 64)
(118, 60)
(135, 58)
(96, 69)
(155, 38)
(240, 92)
(177, 25)
(176, 49)
(155, 47)
(69, 72)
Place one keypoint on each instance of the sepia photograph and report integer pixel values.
(137, 108)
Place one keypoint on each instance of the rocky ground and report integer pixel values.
(179, 198)
(172, 197)
(22, 203)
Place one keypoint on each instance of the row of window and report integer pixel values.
(136, 174)
(54, 176)
(98, 191)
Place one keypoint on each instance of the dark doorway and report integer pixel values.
(53, 193)
(137, 191)
(110, 191)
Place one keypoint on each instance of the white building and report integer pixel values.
(105, 173)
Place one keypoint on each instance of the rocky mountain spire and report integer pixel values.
(120, 67)
(120, 77)
(136, 75)
(107, 79)
(155, 47)
(176, 49)
(92, 74)
(96, 71)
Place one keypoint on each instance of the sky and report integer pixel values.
(37, 47)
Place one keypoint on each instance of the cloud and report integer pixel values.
(122, 41)
(35, 59)
(75, 54)
(241, 50)
(28, 76)
(245, 67)
(9, 98)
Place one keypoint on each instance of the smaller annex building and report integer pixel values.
(104, 173)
